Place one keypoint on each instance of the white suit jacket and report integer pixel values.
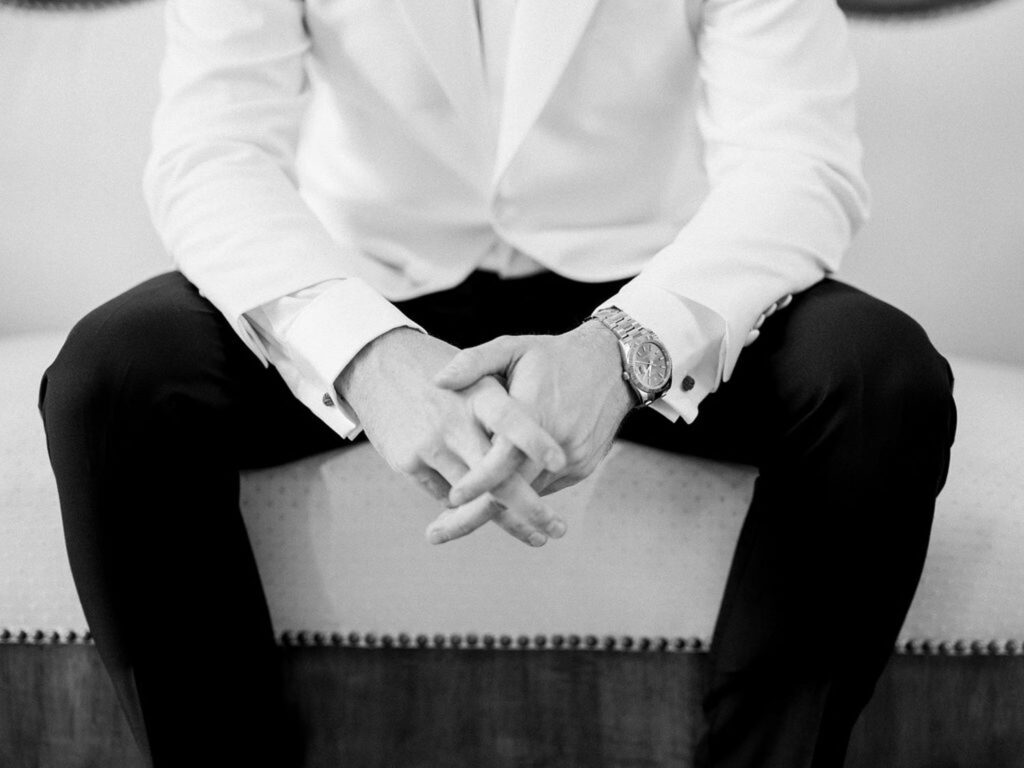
(705, 146)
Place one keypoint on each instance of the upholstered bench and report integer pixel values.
(339, 540)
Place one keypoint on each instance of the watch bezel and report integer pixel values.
(633, 349)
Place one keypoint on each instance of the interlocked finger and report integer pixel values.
(519, 510)
(438, 479)
(530, 525)
(504, 416)
(531, 521)
(461, 521)
(499, 463)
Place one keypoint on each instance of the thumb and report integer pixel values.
(470, 365)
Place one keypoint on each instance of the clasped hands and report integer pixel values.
(491, 429)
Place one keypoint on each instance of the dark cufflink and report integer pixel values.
(328, 400)
(687, 383)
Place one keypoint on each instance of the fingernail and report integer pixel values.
(556, 529)
(537, 539)
(554, 460)
(436, 536)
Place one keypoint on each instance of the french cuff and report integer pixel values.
(324, 338)
(694, 336)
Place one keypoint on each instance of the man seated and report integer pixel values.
(493, 236)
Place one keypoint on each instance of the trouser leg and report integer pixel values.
(151, 408)
(846, 409)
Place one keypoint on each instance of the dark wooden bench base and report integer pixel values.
(411, 707)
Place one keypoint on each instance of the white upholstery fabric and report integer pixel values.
(340, 543)
(647, 552)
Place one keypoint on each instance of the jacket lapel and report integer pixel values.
(545, 34)
(449, 39)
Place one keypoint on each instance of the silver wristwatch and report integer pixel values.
(646, 365)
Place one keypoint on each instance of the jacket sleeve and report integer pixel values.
(220, 181)
(786, 191)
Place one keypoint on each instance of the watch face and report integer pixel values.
(649, 366)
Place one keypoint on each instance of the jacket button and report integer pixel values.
(687, 384)
(328, 400)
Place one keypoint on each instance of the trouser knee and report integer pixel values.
(907, 406)
(869, 392)
(129, 359)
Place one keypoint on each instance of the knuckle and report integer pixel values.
(405, 459)
(421, 447)
(430, 452)
(577, 446)
(537, 449)
(574, 459)
(581, 468)
(414, 454)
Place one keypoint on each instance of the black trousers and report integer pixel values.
(153, 406)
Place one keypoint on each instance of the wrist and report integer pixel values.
(606, 347)
(369, 367)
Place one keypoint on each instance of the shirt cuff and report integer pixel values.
(694, 336)
(316, 332)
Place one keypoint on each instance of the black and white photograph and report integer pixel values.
(512, 383)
